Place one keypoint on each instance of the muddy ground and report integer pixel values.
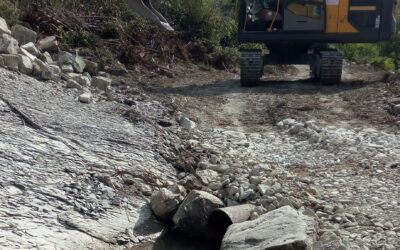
(79, 176)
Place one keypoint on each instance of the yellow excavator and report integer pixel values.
(297, 32)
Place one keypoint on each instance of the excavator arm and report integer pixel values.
(146, 9)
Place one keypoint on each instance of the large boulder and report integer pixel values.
(164, 203)
(31, 48)
(78, 63)
(101, 83)
(23, 34)
(4, 27)
(51, 72)
(65, 58)
(11, 61)
(194, 211)
(282, 229)
(25, 65)
(49, 44)
(8, 45)
(24, 52)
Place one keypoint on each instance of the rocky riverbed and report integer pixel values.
(88, 158)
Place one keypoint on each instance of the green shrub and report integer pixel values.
(80, 38)
(225, 57)
(9, 11)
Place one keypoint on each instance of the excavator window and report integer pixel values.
(285, 15)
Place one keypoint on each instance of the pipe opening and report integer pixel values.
(218, 224)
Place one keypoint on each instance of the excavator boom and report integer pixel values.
(145, 8)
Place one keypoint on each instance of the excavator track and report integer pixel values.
(251, 67)
(327, 68)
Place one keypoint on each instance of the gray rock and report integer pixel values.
(193, 213)
(25, 65)
(264, 189)
(164, 203)
(2, 64)
(49, 44)
(46, 57)
(39, 66)
(72, 84)
(206, 176)
(84, 81)
(215, 186)
(31, 48)
(117, 69)
(284, 228)
(23, 34)
(78, 63)
(186, 123)
(65, 58)
(51, 72)
(219, 168)
(101, 83)
(4, 27)
(11, 61)
(85, 97)
(8, 45)
(396, 109)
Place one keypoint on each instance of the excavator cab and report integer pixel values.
(145, 8)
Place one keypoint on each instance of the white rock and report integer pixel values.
(25, 65)
(46, 57)
(78, 63)
(8, 45)
(284, 228)
(11, 61)
(48, 44)
(265, 189)
(101, 83)
(67, 68)
(164, 203)
(85, 97)
(4, 27)
(83, 80)
(207, 175)
(24, 52)
(31, 48)
(23, 34)
(186, 123)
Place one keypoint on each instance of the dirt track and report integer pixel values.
(60, 183)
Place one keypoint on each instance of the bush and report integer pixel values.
(225, 57)
(9, 11)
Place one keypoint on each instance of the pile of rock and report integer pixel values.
(20, 50)
(285, 227)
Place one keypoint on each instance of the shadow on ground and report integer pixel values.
(232, 86)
